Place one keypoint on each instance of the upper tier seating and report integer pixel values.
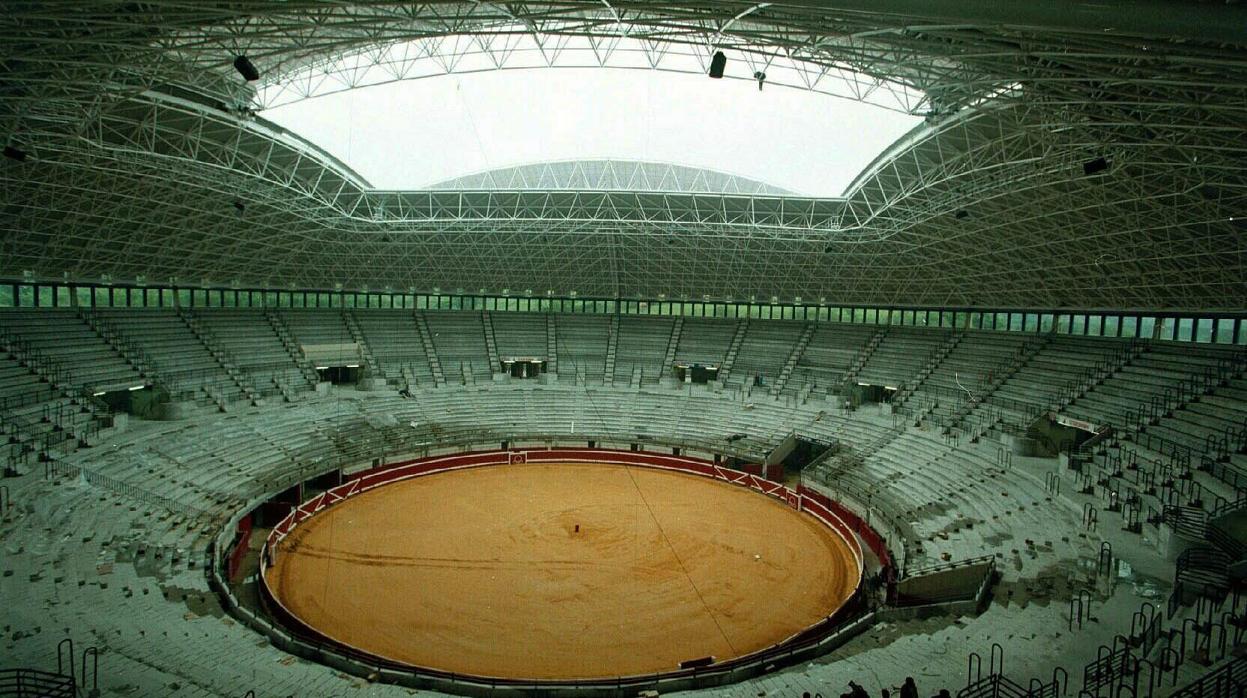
(828, 356)
(63, 336)
(765, 348)
(459, 339)
(254, 345)
(582, 345)
(901, 355)
(1151, 373)
(642, 345)
(705, 341)
(519, 334)
(182, 361)
(394, 340)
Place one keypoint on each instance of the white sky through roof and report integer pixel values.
(414, 133)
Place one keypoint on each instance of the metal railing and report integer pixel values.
(32, 683)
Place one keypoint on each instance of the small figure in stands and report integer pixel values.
(909, 689)
(943, 694)
(887, 693)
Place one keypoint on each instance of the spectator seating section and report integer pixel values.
(519, 334)
(642, 345)
(69, 341)
(394, 339)
(581, 341)
(459, 339)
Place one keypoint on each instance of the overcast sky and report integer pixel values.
(417, 132)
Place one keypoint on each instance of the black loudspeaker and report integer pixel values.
(717, 64)
(1095, 166)
(14, 153)
(246, 68)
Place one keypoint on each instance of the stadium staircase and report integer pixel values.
(426, 338)
(794, 356)
(929, 366)
(223, 359)
(863, 355)
(1191, 388)
(67, 418)
(1093, 376)
(552, 345)
(612, 344)
(733, 349)
(836, 464)
(126, 348)
(999, 374)
(668, 359)
(357, 334)
(291, 344)
(491, 346)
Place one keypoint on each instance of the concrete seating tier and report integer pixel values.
(31, 409)
(255, 346)
(901, 355)
(130, 570)
(459, 340)
(317, 326)
(705, 341)
(519, 334)
(764, 350)
(582, 343)
(63, 336)
(828, 356)
(967, 370)
(642, 345)
(1036, 382)
(182, 362)
(395, 342)
(1162, 367)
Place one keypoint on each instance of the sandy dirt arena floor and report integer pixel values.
(481, 571)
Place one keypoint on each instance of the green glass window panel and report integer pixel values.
(1225, 331)
(1203, 330)
(1167, 327)
(1093, 326)
(1186, 326)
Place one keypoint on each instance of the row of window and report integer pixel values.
(1222, 329)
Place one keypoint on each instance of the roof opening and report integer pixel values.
(415, 134)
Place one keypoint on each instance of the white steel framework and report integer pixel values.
(144, 154)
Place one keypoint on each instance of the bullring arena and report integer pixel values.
(596, 570)
(590, 349)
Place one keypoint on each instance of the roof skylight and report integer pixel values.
(416, 133)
